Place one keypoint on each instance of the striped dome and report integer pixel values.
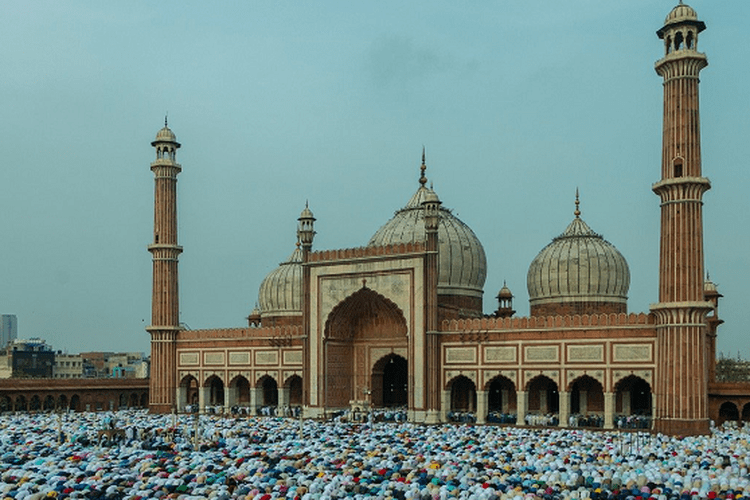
(681, 13)
(280, 292)
(462, 262)
(579, 266)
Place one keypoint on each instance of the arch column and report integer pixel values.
(609, 410)
(564, 408)
(482, 406)
(230, 396)
(283, 399)
(182, 394)
(256, 398)
(522, 403)
(445, 405)
(204, 396)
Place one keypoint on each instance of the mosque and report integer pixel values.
(399, 322)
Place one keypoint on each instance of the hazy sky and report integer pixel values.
(275, 103)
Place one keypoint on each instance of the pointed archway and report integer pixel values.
(586, 396)
(728, 412)
(188, 391)
(362, 320)
(215, 386)
(501, 395)
(633, 396)
(294, 385)
(269, 391)
(543, 395)
(463, 394)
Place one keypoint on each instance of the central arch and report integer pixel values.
(360, 322)
(390, 382)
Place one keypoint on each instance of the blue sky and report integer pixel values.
(279, 103)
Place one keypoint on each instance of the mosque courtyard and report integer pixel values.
(136, 455)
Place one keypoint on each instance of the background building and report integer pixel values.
(31, 358)
(67, 365)
(8, 329)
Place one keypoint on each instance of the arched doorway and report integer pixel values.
(62, 402)
(133, 401)
(21, 404)
(270, 391)
(633, 396)
(35, 404)
(75, 402)
(390, 382)
(49, 403)
(728, 412)
(543, 396)
(362, 320)
(5, 403)
(189, 391)
(294, 384)
(463, 394)
(501, 399)
(215, 391)
(241, 388)
(586, 396)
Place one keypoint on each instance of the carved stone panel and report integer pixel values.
(213, 358)
(541, 353)
(633, 353)
(239, 358)
(586, 353)
(460, 355)
(189, 359)
(292, 357)
(500, 354)
(266, 358)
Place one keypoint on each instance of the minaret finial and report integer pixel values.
(165, 118)
(422, 168)
(577, 212)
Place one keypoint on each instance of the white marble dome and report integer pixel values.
(165, 135)
(280, 292)
(681, 13)
(462, 262)
(579, 266)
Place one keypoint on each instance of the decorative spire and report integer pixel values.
(165, 118)
(422, 168)
(577, 212)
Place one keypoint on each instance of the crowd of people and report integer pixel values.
(195, 456)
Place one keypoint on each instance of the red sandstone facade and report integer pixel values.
(400, 323)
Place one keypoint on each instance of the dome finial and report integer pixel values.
(422, 168)
(165, 118)
(577, 212)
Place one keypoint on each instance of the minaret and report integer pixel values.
(681, 380)
(431, 205)
(305, 236)
(165, 310)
